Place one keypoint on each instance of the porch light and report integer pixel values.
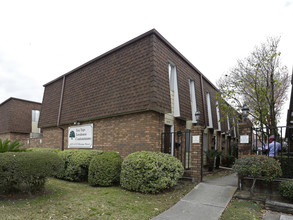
(245, 111)
(197, 116)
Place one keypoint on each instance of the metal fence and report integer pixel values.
(281, 148)
(178, 144)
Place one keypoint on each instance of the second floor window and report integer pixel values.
(193, 100)
(174, 90)
(209, 110)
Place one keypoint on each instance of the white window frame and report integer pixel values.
(35, 115)
(234, 124)
(218, 115)
(228, 123)
(193, 100)
(174, 87)
(208, 97)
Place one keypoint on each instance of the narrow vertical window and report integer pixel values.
(35, 120)
(193, 100)
(209, 110)
(218, 115)
(174, 90)
(35, 115)
(228, 122)
(234, 124)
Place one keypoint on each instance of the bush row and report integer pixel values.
(146, 172)
(150, 172)
(258, 166)
(27, 171)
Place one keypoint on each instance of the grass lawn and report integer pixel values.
(67, 200)
(242, 209)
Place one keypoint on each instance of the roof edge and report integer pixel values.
(183, 57)
(152, 31)
(23, 100)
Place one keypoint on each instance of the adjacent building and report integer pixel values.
(19, 120)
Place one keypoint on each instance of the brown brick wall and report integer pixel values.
(50, 105)
(4, 117)
(245, 149)
(16, 115)
(115, 84)
(133, 77)
(195, 171)
(164, 54)
(5, 136)
(124, 134)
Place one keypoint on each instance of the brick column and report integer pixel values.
(196, 153)
(244, 148)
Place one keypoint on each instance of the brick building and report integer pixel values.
(19, 119)
(130, 96)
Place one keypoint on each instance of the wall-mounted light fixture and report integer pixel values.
(76, 123)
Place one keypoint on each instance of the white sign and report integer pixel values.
(244, 139)
(195, 139)
(80, 136)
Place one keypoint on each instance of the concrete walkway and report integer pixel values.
(206, 201)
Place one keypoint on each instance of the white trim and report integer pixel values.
(174, 87)
(234, 124)
(209, 110)
(218, 116)
(193, 100)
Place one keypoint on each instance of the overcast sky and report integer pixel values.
(41, 40)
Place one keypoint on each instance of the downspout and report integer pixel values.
(59, 114)
(204, 120)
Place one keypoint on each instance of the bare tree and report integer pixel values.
(260, 81)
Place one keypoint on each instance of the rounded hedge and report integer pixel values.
(27, 171)
(258, 166)
(52, 150)
(76, 163)
(286, 189)
(150, 172)
(104, 169)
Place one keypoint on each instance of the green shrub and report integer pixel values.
(286, 189)
(76, 163)
(104, 169)
(8, 146)
(52, 150)
(257, 166)
(150, 172)
(27, 171)
(284, 165)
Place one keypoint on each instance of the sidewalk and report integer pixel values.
(206, 201)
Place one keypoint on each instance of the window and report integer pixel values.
(234, 124)
(209, 110)
(174, 90)
(218, 115)
(35, 115)
(228, 122)
(35, 131)
(193, 100)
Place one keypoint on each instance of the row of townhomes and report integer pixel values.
(141, 95)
